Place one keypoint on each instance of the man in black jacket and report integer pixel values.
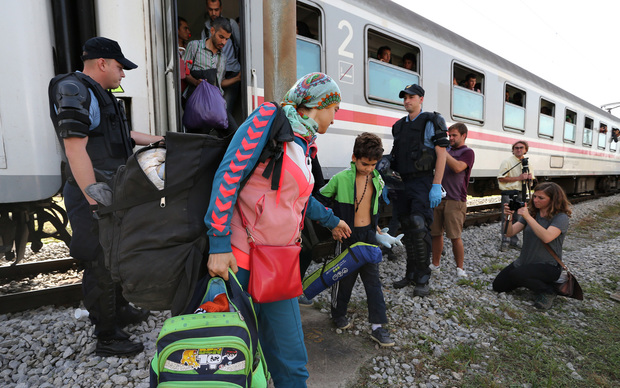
(96, 139)
(419, 156)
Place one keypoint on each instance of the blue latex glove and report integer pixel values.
(386, 240)
(435, 195)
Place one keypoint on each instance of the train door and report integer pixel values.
(195, 13)
(146, 32)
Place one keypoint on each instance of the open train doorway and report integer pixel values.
(198, 14)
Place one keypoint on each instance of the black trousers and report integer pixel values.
(102, 297)
(416, 216)
(537, 277)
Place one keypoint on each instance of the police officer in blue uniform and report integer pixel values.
(419, 156)
(96, 139)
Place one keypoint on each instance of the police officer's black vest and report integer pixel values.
(109, 144)
(410, 157)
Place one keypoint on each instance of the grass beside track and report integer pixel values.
(565, 346)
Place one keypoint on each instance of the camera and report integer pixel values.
(524, 163)
(514, 204)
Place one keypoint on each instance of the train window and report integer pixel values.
(308, 40)
(588, 128)
(467, 93)
(514, 108)
(570, 127)
(392, 64)
(546, 118)
(613, 145)
(602, 136)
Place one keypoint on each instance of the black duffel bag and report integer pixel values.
(155, 241)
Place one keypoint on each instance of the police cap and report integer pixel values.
(101, 47)
(412, 89)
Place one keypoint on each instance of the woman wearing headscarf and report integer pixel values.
(274, 217)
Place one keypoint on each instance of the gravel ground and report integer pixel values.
(48, 347)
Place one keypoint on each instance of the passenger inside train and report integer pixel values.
(200, 16)
(409, 61)
(384, 54)
(517, 99)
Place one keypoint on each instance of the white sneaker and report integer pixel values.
(434, 268)
(461, 273)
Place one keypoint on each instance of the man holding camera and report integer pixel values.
(514, 177)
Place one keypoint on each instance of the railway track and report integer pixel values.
(487, 213)
(66, 294)
(71, 294)
(25, 270)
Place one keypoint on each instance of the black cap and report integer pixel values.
(413, 90)
(100, 47)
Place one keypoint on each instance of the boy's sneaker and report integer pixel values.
(305, 302)
(381, 336)
(434, 268)
(460, 272)
(341, 323)
(421, 290)
(544, 301)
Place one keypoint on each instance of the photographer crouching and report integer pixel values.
(514, 179)
(544, 221)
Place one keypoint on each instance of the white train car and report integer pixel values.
(341, 38)
(570, 139)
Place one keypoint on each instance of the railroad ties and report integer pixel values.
(68, 294)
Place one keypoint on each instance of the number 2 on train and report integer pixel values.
(342, 50)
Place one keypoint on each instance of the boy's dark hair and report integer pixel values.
(410, 56)
(223, 23)
(368, 145)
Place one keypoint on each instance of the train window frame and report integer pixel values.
(570, 126)
(543, 120)
(586, 120)
(457, 90)
(604, 137)
(371, 62)
(318, 41)
(512, 107)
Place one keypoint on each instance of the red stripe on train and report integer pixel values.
(357, 117)
(386, 121)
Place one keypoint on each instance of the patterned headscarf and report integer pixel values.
(314, 90)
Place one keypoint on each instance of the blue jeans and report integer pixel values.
(282, 339)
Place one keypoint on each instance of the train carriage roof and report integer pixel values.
(404, 16)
